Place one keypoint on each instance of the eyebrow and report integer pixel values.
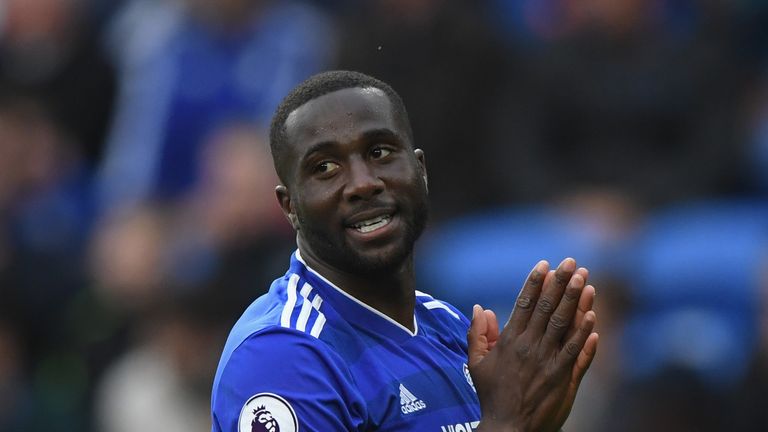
(380, 133)
(366, 136)
(318, 147)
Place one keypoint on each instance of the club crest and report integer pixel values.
(267, 412)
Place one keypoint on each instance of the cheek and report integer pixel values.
(315, 207)
(413, 185)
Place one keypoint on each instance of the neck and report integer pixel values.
(390, 292)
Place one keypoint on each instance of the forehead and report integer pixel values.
(340, 116)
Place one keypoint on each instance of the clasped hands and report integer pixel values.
(527, 375)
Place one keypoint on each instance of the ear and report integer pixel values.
(284, 199)
(419, 153)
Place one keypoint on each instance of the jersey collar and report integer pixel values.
(350, 308)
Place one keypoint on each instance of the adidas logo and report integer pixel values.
(408, 402)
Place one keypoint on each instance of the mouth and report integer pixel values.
(372, 224)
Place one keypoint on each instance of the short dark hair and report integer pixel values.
(319, 85)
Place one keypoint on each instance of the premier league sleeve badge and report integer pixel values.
(267, 412)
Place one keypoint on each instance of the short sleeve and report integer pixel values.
(282, 379)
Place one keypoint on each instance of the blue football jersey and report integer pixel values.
(307, 356)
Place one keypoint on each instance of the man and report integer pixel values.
(344, 341)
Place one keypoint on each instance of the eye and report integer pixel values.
(380, 152)
(326, 167)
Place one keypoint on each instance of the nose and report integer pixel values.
(363, 183)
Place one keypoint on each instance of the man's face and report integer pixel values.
(357, 191)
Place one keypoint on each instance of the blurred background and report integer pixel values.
(138, 218)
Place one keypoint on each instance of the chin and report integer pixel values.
(381, 262)
(366, 259)
(384, 258)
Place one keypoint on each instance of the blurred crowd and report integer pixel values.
(138, 217)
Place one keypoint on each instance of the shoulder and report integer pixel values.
(290, 303)
(278, 355)
(289, 313)
(442, 321)
(288, 371)
(284, 326)
(441, 309)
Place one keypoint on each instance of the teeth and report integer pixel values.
(373, 224)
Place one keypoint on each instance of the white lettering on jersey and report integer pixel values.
(460, 427)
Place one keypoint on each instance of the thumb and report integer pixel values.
(477, 336)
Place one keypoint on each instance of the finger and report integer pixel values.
(575, 344)
(584, 272)
(584, 360)
(551, 293)
(493, 328)
(527, 298)
(477, 336)
(586, 303)
(563, 316)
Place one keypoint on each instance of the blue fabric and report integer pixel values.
(341, 366)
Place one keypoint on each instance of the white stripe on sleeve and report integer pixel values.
(318, 326)
(436, 304)
(306, 307)
(285, 318)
